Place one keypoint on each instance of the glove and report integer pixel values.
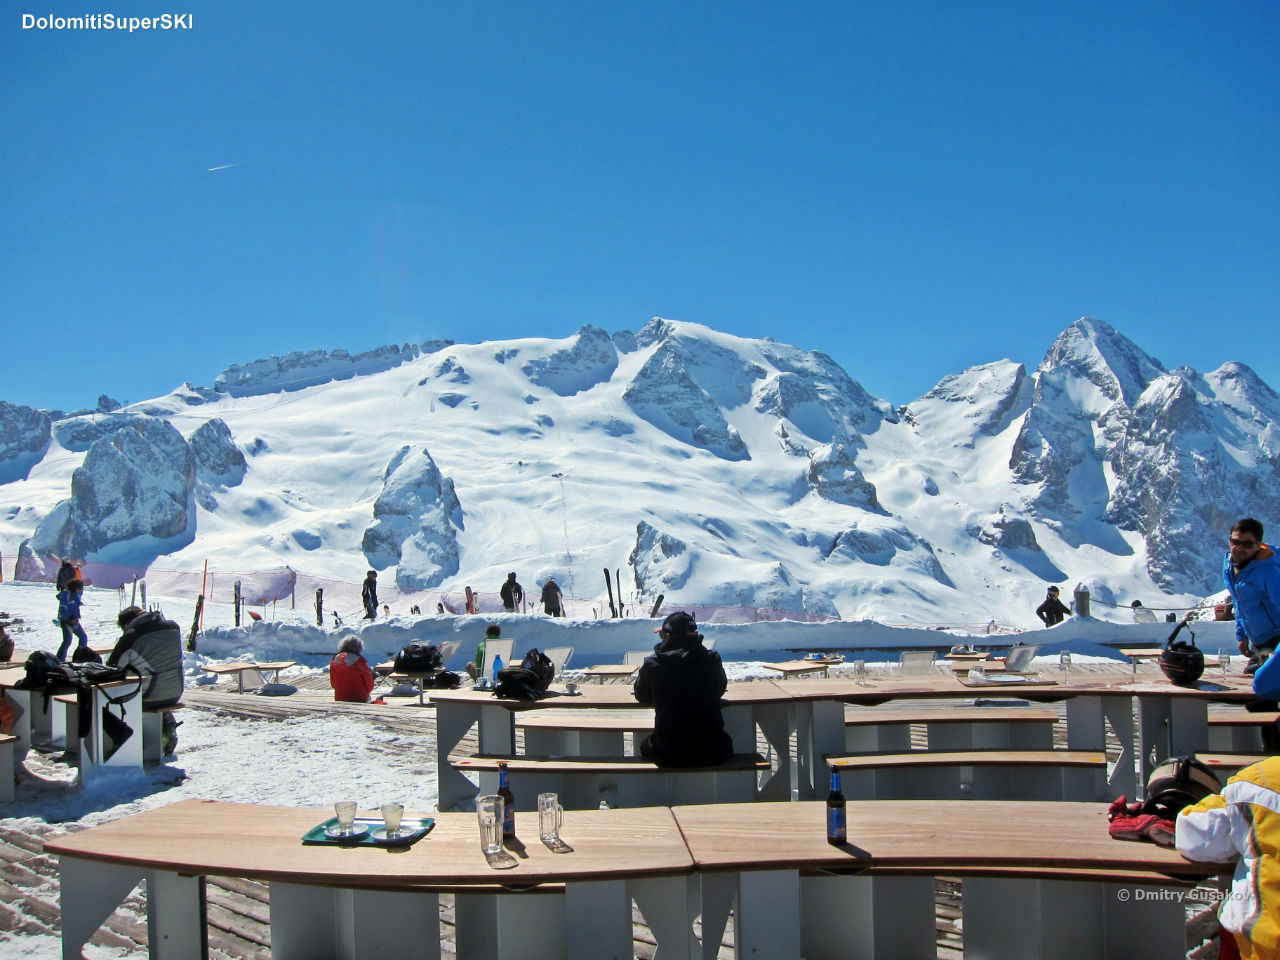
(1128, 822)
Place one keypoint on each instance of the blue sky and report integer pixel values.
(913, 188)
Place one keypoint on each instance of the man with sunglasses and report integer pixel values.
(1251, 572)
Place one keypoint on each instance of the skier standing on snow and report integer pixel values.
(370, 595)
(552, 599)
(512, 594)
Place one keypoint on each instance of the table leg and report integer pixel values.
(775, 721)
(766, 922)
(517, 926)
(1087, 722)
(851, 917)
(453, 720)
(89, 892)
(309, 922)
(668, 907)
(177, 925)
(1020, 919)
(1170, 727)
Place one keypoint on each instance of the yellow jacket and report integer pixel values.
(1242, 822)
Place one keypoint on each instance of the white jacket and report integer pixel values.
(1242, 823)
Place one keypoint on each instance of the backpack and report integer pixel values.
(86, 655)
(418, 658)
(38, 666)
(6, 646)
(529, 681)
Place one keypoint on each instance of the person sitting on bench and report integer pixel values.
(684, 681)
(349, 672)
(153, 645)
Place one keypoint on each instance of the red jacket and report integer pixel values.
(351, 678)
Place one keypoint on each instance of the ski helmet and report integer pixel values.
(1177, 783)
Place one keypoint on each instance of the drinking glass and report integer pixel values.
(346, 812)
(1224, 660)
(860, 672)
(489, 814)
(1064, 660)
(977, 673)
(550, 816)
(392, 814)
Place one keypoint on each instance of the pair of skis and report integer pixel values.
(618, 610)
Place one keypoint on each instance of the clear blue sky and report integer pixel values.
(912, 187)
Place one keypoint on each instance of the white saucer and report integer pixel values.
(337, 833)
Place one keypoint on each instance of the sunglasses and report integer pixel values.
(1246, 544)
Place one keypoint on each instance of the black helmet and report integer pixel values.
(1177, 783)
(1182, 662)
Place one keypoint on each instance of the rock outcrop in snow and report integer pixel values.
(589, 359)
(416, 521)
(136, 485)
(24, 437)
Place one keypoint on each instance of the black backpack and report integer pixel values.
(529, 681)
(38, 666)
(6, 646)
(86, 655)
(82, 678)
(418, 658)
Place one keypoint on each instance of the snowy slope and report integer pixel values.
(712, 468)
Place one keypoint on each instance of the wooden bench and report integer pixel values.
(876, 730)
(153, 731)
(1239, 731)
(1225, 764)
(261, 669)
(583, 733)
(582, 782)
(974, 774)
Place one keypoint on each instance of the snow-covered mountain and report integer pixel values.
(717, 469)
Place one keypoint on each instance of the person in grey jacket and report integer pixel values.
(153, 645)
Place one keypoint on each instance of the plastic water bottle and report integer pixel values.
(497, 665)
(836, 828)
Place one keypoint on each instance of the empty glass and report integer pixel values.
(550, 816)
(392, 814)
(1064, 660)
(1224, 661)
(977, 673)
(860, 672)
(489, 815)
(346, 813)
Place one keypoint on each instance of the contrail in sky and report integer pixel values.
(225, 166)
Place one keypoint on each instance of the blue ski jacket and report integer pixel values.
(68, 605)
(1255, 592)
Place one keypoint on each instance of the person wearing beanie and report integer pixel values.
(684, 681)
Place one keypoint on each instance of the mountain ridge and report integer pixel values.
(721, 469)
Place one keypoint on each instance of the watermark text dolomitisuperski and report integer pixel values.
(109, 21)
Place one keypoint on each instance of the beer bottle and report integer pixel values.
(509, 804)
(836, 831)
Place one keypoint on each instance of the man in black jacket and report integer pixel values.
(684, 681)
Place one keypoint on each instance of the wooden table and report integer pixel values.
(800, 668)
(746, 707)
(261, 669)
(1172, 720)
(355, 902)
(1092, 707)
(1041, 880)
(608, 672)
